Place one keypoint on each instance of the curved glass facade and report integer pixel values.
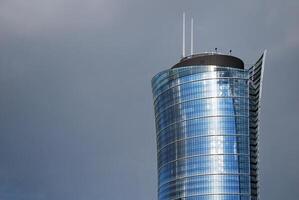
(203, 135)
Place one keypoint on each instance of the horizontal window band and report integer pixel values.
(210, 194)
(187, 114)
(199, 155)
(207, 174)
(198, 136)
(194, 99)
(178, 75)
(202, 98)
(199, 80)
(194, 69)
(207, 116)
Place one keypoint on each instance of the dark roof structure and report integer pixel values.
(210, 59)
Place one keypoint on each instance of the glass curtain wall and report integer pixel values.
(202, 130)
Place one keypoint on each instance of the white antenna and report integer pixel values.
(184, 16)
(192, 36)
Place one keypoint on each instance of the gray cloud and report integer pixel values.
(35, 17)
(76, 118)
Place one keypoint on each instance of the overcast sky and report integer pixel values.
(76, 114)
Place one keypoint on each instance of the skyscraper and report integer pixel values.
(207, 124)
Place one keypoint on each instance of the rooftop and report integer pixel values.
(210, 59)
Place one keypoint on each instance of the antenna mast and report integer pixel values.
(192, 36)
(184, 16)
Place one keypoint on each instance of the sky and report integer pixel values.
(76, 119)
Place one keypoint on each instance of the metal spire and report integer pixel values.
(184, 27)
(192, 36)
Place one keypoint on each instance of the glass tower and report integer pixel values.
(207, 113)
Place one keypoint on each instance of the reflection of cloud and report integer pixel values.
(292, 39)
(14, 194)
(19, 196)
(35, 16)
(282, 24)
